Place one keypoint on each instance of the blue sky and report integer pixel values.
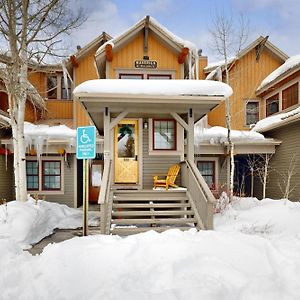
(192, 19)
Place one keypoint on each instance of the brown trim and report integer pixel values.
(128, 74)
(42, 187)
(109, 52)
(214, 187)
(38, 175)
(159, 75)
(296, 85)
(183, 54)
(175, 135)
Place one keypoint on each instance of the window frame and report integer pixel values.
(38, 176)
(214, 175)
(284, 90)
(40, 170)
(131, 74)
(246, 111)
(51, 175)
(169, 76)
(175, 135)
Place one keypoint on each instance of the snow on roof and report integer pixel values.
(219, 63)
(275, 120)
(218, 135)
(291, 63)
(164, 30)
(155, 87)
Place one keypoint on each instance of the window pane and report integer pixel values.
(207, 170)
(164, 135)
(252, 112)
(126, 140)
(153, 76)
(51, 175)
(52, 87)
(290, 96)
(272, 105)
(131, 76)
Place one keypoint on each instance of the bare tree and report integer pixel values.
(260, 166)
(284, 182)
(32, 30)
(228, 39)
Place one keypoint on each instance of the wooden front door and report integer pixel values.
(95, 178)
(126, 152)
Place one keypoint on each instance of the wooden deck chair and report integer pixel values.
(169, 180)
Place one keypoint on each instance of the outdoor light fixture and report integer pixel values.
(145, 125)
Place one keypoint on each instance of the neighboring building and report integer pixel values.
(280, 94)
(246, 72)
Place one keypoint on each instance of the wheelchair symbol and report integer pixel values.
(84, 138)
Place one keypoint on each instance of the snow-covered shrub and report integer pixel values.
(222, 203)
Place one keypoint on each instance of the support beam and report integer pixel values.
(190, 136)
(120, 117)
(106, 123)
(180, 120)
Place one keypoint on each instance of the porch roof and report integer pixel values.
(145, 97)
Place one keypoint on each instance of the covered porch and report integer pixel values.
(158, 119)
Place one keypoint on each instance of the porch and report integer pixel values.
(132, 116)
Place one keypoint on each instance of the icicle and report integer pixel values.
(190, 66)
(6, 152)
(197, 66)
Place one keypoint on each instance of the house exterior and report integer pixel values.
(246, 72)
(280, 94)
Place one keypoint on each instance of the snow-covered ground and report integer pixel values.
(254, 253)
(26, 223)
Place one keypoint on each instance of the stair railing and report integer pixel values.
(105, 197)
(199, 192)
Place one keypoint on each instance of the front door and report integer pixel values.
(126, 152)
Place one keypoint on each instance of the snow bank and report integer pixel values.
(220, 63)
(172, 265)
(217, 135)
(275, 120)
(27, 223)
(155, 87)
(266, 217)
(290, 63)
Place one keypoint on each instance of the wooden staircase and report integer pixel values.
(142, 210)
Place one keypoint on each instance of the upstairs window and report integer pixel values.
(290, 96)
(159, 76)
(52, 87)
(131, 76)
(272, 105)
(164, 134)
(65, 90)
(252, 112)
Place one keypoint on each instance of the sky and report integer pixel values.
(192, 20)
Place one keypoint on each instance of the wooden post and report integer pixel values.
(190, 137)
(85, 196)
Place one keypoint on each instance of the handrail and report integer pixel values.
(202, 184)
(200, 195)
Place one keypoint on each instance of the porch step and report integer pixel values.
(135, 230)
(159, 210)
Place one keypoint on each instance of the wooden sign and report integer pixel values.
(145, 64)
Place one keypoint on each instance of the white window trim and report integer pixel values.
(48, 158)
(246, 101)
(179, 141)
(145, 72)
(216, 160)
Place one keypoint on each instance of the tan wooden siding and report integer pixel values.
(125, 57)
(245, 76)
(155, 165)
(38, 79)
(31, 114)
(59, 109)
(289, 135)
(7, 179)
(68, 196)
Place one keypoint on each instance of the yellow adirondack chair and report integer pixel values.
(169, 180)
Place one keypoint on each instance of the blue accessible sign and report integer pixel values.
(86, 142)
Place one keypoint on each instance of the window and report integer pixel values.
(164, 134)
(272, 105)
(252, 112)
(45, 176)
(65, 90)
(52, 87)
(51, 175)
(159, 76)
(131, 76)
(32, 171)
(207, 170)
(290, 96)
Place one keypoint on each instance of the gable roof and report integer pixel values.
(261, 40)
(291, 66)
(172, 40)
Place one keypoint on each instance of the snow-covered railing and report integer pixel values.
(104, 197)
(200, 194)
